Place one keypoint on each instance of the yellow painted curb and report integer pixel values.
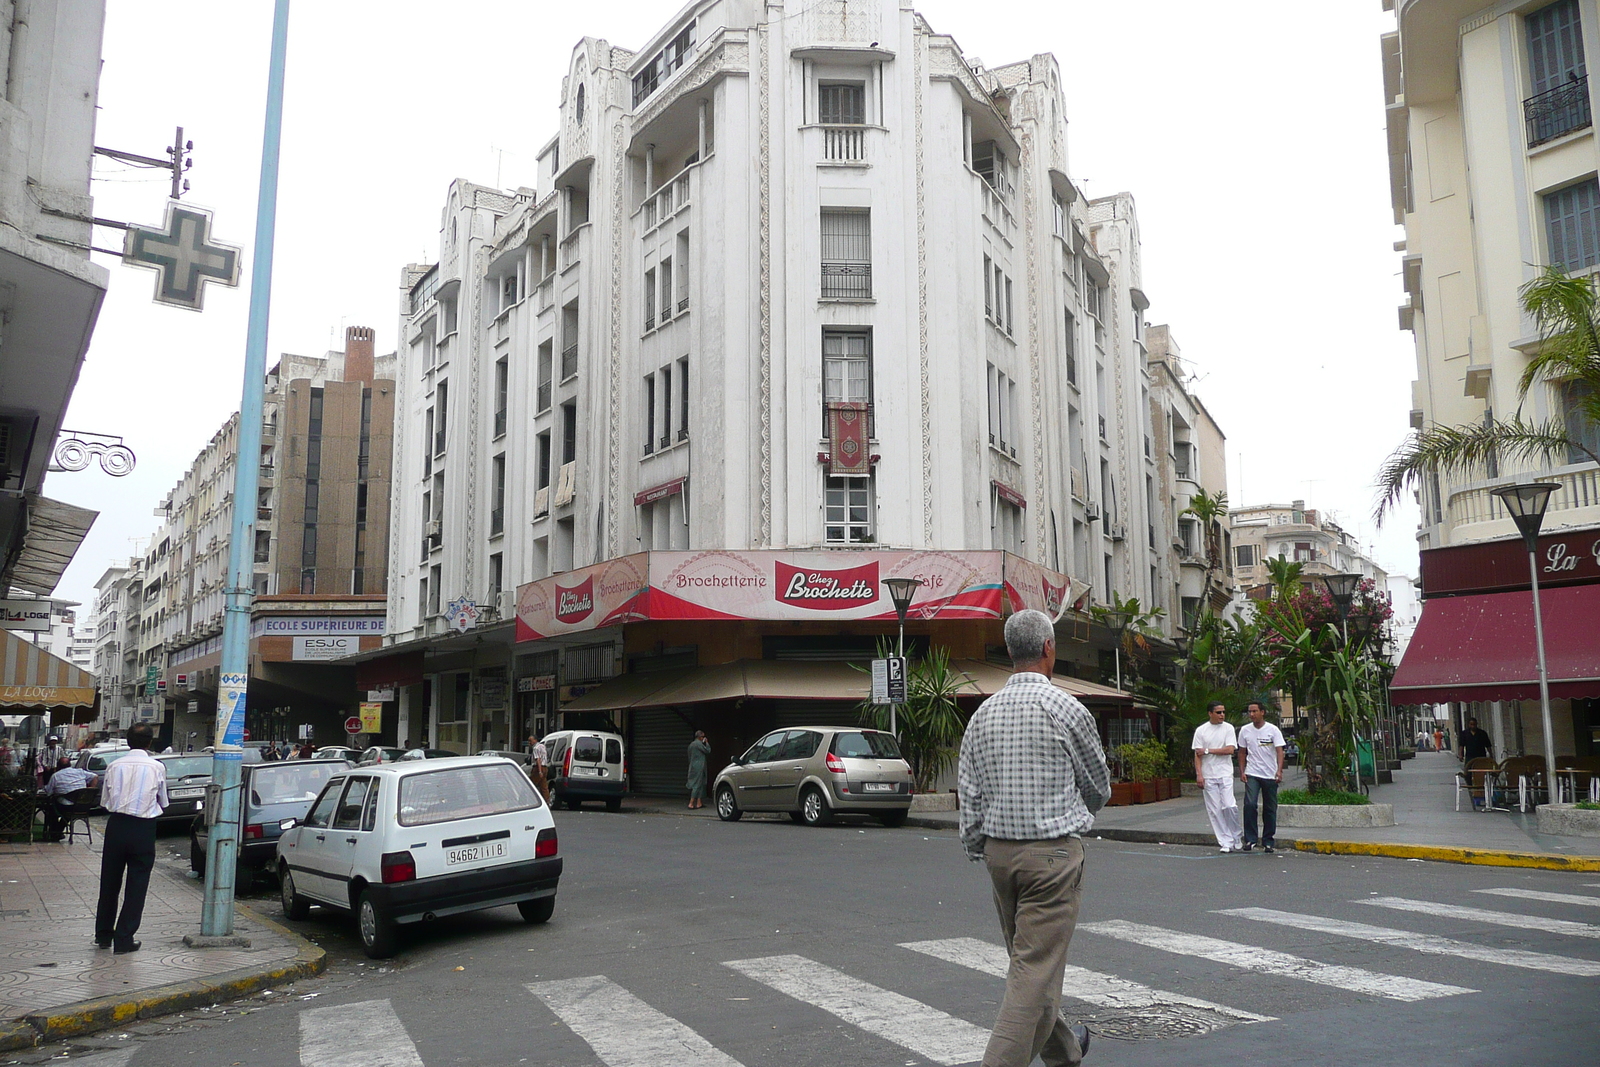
(88, 1016)
(1445, 854)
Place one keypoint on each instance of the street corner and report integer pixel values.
(1544, 861)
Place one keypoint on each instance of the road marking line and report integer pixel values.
(623, 1030)
(1078, 983)
(1429, 944)
(1268, 961)
(926, 1031)
(365, 1034)
(1501, 918)
(1535, 894)
(116, 1058)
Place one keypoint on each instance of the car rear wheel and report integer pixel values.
(814, 810)
(892, 818)
(727, 807)
(379, 939)
(537, 911)
(797, 817)
(197, 857)
(295, 906)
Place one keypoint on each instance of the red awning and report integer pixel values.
(1482, 648)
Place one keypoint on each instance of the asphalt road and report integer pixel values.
(682, 942)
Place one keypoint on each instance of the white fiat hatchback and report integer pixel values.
(400, 843)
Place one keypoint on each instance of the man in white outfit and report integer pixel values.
(1214, 744)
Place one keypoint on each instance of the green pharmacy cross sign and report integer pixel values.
(183, 256)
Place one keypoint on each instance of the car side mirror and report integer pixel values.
(288, 824)
(739, 760)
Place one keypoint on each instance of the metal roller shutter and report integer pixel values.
(658, 752)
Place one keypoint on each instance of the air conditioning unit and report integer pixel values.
(1117, 530)
(1091, 512)
(431, 529)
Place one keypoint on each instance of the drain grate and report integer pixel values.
(1156, 1023)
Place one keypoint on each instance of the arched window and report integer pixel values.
(579, 106)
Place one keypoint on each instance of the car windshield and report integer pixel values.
(188, 766)
(284, 783)
(866, 745)
(99, 761)
(462, 793)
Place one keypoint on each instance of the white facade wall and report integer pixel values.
(726, 170)
(1471, 192)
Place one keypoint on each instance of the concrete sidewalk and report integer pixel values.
(1427, 826)
(54, 982)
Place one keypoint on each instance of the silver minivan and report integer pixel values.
(816, 772)
(586, 765)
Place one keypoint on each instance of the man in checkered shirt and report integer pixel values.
(1032, 775)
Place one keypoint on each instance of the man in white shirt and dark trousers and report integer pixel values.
(1261, 748)
(134, 793)
(1214, 743)
(1031, 776)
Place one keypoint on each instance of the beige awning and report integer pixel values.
(765, 679)
(55, 530)
(986, 679)
(32, 678)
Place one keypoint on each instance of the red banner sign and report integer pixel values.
(1565, 557)
(847, 440)
(826, 590)
(659, 492)
(1010, 495)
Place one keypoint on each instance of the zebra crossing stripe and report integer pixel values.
(1484, 915)
(1078, 983)
(1267, 961)
(928, 1032)
(366, 1034)
(115, 1058)
(623, 1030)
(1553, 898)
(1430, 944)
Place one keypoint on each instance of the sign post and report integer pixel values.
(216, 914)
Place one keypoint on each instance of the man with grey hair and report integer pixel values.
(1031, 776)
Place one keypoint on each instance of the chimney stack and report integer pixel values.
(358, 354)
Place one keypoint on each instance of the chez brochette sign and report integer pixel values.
(1565, 557)
(777, 585)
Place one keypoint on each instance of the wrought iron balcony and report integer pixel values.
(1558, 111)
(847, 281)
(569, 361)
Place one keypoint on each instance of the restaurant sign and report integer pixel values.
(1564, 557)
(780, 585)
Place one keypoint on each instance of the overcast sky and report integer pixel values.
(1252, 143)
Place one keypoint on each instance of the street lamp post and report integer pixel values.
(901, 592)
(1117, 622)
(1363, 626)
(1342, 588)
(1527, 503)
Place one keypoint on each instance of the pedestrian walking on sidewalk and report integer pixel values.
(134, 793)
(1031, 776)
(699, 769)
(1214, 744)
(539, 761)
(1261, 749)
(1475, 743)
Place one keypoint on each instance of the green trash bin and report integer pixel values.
(1366, 761)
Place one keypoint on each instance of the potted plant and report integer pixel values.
(1121, 793)
(1146, 761)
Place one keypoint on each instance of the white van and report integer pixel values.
(586, 765)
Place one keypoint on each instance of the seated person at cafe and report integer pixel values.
(67, 779)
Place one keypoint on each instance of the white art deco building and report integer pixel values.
(800, 290)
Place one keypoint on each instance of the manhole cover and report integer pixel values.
(1156, 1023)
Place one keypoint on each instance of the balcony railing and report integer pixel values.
(1102, 427)
(844, 144)
(500, 422)
(847, 281)
(683, 303)
(1557, 111)
(569, 361)
(544, 397)
(497, 521)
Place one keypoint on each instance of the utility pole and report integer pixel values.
(216, 917)
(178, 164)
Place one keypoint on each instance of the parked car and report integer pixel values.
(187, 778)
(586, 765)
(96, 758)
(400, 843)
(339, 752)
(817, 772)
(519, 758)
(271, 792)
(427, 753)
(380, 754)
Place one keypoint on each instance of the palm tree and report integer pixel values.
(1210, 510)
(1285, 576)
(1567, 313)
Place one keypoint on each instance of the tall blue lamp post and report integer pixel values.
(1527, 504)
(216, 914)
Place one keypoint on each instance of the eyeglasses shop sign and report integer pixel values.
(314, 648)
